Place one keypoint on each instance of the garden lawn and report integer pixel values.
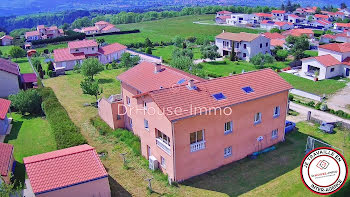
(166, 52)
(327, 86)
(24, 65)
(30, 136)
(5, 49)
(311, 53)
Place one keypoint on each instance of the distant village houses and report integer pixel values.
(100, 27)
(6, 40)
(42, 33)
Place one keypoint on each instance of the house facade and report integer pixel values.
(78, 51)
(333, 60)
(9, 78)
(279, 15)
(76, 171)
(6, 162)
(42, 33)
(5, 122)
(100, 27)
(295, 19)
(242, 19)
(245, 45)
(169, 110)
(342, 26)
(268, 25)
(6, 40)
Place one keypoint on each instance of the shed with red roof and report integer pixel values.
(28, 80)
(9, 78)
(75, 171)
(6, 161)
(6, 40)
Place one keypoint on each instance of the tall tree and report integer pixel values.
(210, 51)
(17, 52)
(91, 67)
(148, 43)
(91, 87)
(128, 61)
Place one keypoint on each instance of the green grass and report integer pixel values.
(5, 49)
(24, 65)
(327, 86)
(51, 47)
(30, 136)
(311, 53)
(166, 52)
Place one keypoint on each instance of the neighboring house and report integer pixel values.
(5, 122)
(335, 15)
(295, 19)
(242, 19)
(6, 162)
(42, 33)
(305, 11)
(78, 51)
(9, 78)
(223, 13)
(320, 17)
(327, 38)
(222, 19)
(342, 26)
(246, 45)
(268, 25)
(101, 27)
(276, 39)
(28, 80)
(279, 15)
(6, 40)
(187, 135)
(299, 32)
(346, 12)
(76, 171)
(321, 24)
(263, 16)
(333, 60)
(341, 37)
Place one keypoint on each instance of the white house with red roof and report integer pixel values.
(242, 19)
(263, 16)
(322, 24)
(340, 37)
(279, 15)
(222, 17)
(295, 19)
(342, 26)
(77, 51)
(101, 27)
(6, 162)
(333, 60)
(268, 25)
(42, 33)
(276, 39)
(320, 17)
(76, 171)
(9, 78)
(6, 40)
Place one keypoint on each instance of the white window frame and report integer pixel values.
(145, 105)
(146, 125)
(163, 162)
(228, 152)
(257, 121)
(275, 115)
(164, 138)
(230, 129)
(128, 101)
(274, 134)
(196, 141)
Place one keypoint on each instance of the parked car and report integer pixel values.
(289, 126)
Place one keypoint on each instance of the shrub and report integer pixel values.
(74, 36)
(324, 107)
(27, 101)
(318, 106)
(291, 97)
(311, 104)
(50, 73)
(66, 133)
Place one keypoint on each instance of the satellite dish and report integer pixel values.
(260, 138)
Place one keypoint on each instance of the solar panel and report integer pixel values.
(248, 89)
(219, 96)
(181, 81)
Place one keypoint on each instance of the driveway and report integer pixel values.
(340, 100)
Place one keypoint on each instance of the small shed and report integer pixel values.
(31, 52)
(6, 161)
(28, 80)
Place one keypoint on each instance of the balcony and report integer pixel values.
(197, 146)
(163, 146)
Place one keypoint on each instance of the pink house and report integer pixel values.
(42, 33)
(77, 51)
(75, 171)
(100, 27)
(189, 125)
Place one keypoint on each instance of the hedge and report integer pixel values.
(66, 133)
(77, 36)
(115, 33)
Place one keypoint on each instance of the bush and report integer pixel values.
(50, 73)
(72, 37)
(66, 133)
(311, 104)
(291, 97)
(318, 106)
(324, 107)
(27, 101)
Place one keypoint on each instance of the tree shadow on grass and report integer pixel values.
(244, 175)
(19, 174)
(104, 81)
(21, 61)
(117, 189)
(16, 126)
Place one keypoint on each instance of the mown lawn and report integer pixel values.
(311, 53)
(5, 49)
(30, 135)
(327, 86)
(24, 65)
(166, 52)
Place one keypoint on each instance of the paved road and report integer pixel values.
(316, 113)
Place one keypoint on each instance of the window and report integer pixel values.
(130, 122)
(93, 48)
(228, 127)
(257, 118)
(237, 45)
(162, 162)
(276, 111)
(127, 101)
(76, 50)
(228, 151)
(145, 122)
(219, 96)
(332, 69)
(274, 134)
(163, 137)
(248, 89)
(145, 105)
(196, 137)
(245, 46)
(118, 117)
(267, 44)
(260, 45)
(244, 55)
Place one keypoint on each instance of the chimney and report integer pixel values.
(191, 84)
(223, 31)
(157, 67)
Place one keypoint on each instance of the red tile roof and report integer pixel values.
(278, 11)
(224, 17)
(32, 33)
(102, 23)
(277, 42)
(343, 24)
(82, 44)
(6, 151)
(108, 27)
(4, 108)
(224, 12)
(294, 16)
(242, 36)
(330, 36)
(90, 28)
(274, 35)
(63, 55)
(7, 37)
(263, 15)
(338, 47)
(280, 23)
(264, 83)
(63, 168)
(323, 22)
(321, 16)
(29, 77)
(143, 78)
(297, 32)
(326, 60)
(8, 66)
(112, 48)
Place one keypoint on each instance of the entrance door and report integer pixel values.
(347, 72)
(148, 151)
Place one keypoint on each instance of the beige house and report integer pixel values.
(246, 45)
(42, 33)
(6, 40)
(101, 27)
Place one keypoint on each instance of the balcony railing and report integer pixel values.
(163, 146)
(198, 146)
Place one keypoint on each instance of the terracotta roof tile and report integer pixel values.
(281, 23)
(242, 36)
(63, 168)
(297, 32)
(32, 33)
(321, 16)
(29, 78)
(89, 29)
(224, 12)
(112, 48)
(9, 66)
(108, 27)
(278, 42)
(274, 35)
(343, 24)
(294, 16)
(339, 47)
(6, 36)
(143, 78)
(4, 108)
(278, 11)
(5, 158)
(263, 15)
(82, 44)
(326, 60)
(264, 83)
(102, 23)
(62, 55)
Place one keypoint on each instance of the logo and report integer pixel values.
(324, 171)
